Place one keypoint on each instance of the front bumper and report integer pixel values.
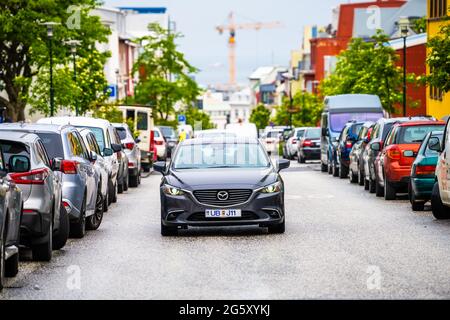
(184, 211)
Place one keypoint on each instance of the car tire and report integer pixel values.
(93, 222)
(389, 191)
(43, 251)
(366, 185)
(416, 205)
(106, 202)
(120, 187)
(126, 183)
(78, 228)
(115, 192)
(352, 177)
(439, 210)
(361, 178)
(134, 183)
(278, 229)
(168, 231)
(379, 190)
(335, 169)
(110, 191)
(330, 168)
(343, 172)
(302, 160)
(60, 239)
(12, 266)
(323, 168)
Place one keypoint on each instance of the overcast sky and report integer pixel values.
(208, 51)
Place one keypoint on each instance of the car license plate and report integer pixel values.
(218, 213)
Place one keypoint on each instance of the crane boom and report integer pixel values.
(232, 27)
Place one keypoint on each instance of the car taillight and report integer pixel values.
(32, 177)
(294, 141)
(67, 206)
(152, 141)
(425, 170)
(131, 165)
(307, 143)
(69, 167)
(394, 153)
(129, 145)
(349, 144)
(159, 142)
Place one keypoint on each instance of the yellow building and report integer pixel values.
(438, 102)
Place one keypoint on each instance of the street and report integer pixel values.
(341, 243)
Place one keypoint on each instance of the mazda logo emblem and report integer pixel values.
(223, 196)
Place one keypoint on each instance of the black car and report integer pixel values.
(345, 144)
(221, 182)
(356, 174)
(380, 131)
(309, 145)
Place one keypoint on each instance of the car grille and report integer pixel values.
(200, 216)
(209, 197)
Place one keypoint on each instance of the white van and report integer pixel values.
(142, 118)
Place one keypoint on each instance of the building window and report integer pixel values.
(436, 93)
(438, 9)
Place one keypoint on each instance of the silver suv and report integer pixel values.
(79, 179)
(133, 152)
(31, 169)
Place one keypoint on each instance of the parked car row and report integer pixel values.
(57, 178)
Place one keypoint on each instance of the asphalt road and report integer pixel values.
(341, 243)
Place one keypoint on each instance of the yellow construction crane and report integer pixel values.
(232, 27)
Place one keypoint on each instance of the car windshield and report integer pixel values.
(416, 134)
(313, 133)
(122, 132)
(339, 120)
(168, 132)
(300, 133)
(98, 133)
(53, 144)
(220, 155)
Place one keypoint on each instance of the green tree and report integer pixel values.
(368, 67)
(24, 44)
(309, 108)
(260, 116)
(165, 74)
(439, 59)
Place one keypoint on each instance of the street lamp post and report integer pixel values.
(50, 26)
(404, 30)
(73, 49)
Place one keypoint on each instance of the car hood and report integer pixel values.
(221, 178)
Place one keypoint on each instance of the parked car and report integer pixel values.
(254, 196)
(171, 138)
(108, 142)
(142, 117)
(133, 153)
(399, 152)
(44, 226)
(338, 110)
(79, 181)
(11, 205)
(291, 140)
(379, 133)
(440, 196)
(423, 175)
(271, 141)
(347, 139)
(213, 134)
(160, 143)
(101, 169)
(308, 146)
(357, 174)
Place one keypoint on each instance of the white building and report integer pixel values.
(217, 108)
(240, 106)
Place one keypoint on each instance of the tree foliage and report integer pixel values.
(309, 111)
(196, 117)
(24, 45)
(165, 74)
(439, 59)
(368, 67)
(260, 116)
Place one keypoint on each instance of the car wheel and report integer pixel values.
(2, 261)
(126, 183)
(60, 239)
(120, 187)
(134, 181)
(366, 185)
(110, 191)
(352, 177)
(106, 202)
(168, 231)
(78, 228)
(335, 170)
(389, 191)
(361, 178)
(115, 188)
(343, 172)
(278, 229)
(416, 205)
(43, 251)
(440, 211)
(330, 168)
(379, 190)
(323, 167)
(12, 266)
(93, 222)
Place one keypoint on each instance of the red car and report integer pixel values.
(399, 152)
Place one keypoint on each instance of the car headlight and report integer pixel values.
(172, 191)
(273, 188)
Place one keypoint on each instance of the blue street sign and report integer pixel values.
(112, 90)
(181, 118)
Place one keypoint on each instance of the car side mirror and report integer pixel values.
(376, 146)
(160, 167)
(435, 144)
(116, 147)
(283, 164)
(107, 152)
(93, 156)
(19, 164)
(56, 164)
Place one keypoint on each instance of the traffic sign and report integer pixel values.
(181, 118)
